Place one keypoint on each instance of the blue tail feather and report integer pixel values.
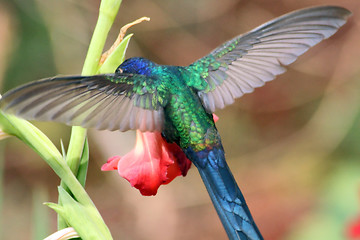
(225, 194)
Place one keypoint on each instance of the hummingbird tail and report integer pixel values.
(225, 194)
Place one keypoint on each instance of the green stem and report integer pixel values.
(76, 146)
(73, 171)
(42, 145)
(2, 161)
(107, 12)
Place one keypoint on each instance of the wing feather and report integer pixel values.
(112, 101)
(249, 60)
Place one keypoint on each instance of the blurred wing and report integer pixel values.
(113, 102)
(249, 60)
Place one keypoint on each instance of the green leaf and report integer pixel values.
(116, 57)
(83, 167)
(84, 219)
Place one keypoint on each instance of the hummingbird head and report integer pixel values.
(136, 65)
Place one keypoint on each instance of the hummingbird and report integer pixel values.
(178, 101)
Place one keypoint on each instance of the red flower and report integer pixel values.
(151, 163)
(353, 229)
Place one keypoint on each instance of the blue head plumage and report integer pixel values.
(136, 65)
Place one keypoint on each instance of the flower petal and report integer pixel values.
(353, 229)
(151, 163)
(63, 234)
(111, 164)
(182, 162)
(215, 117)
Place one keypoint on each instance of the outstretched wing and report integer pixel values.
(112, 101)
(249, 60)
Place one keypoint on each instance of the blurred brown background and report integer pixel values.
(293, 145)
